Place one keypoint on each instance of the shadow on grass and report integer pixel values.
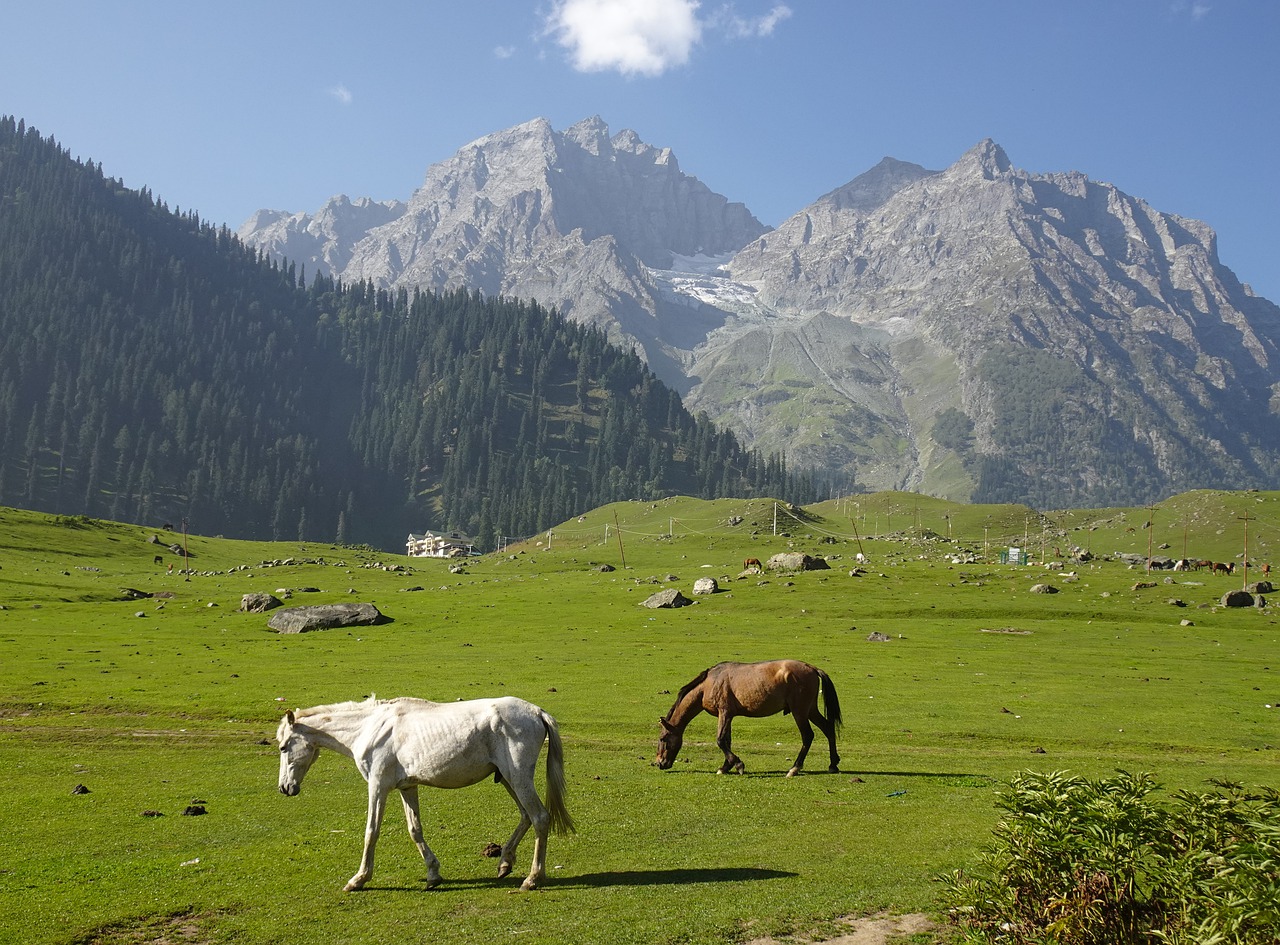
(967, 779)
(604, 880)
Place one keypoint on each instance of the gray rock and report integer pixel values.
(258, 603)
(796, 561)
(706, 585)
(1237, 599)
(671, 597)
(324, 617)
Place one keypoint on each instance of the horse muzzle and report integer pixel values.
(290, 790)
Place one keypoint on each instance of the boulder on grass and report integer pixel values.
(258, 603)
(1237, 599)
(706, 585)
(324, 617)
(671, 597)
(796, 561)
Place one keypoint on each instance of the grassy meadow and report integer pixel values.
(162, 703)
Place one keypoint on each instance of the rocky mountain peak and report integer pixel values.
(871, 189)
(590, 134)
(986, 158)
(901, 300)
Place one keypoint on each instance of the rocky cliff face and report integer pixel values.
(976, 332)
(1146, 363)
(571, 219)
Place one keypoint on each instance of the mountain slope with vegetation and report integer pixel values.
(155, 369)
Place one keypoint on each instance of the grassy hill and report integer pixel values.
(158, 703)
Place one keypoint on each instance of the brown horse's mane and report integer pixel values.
(687, 688)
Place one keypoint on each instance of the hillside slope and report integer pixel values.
(154, 369)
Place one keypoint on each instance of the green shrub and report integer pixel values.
(1100, 861)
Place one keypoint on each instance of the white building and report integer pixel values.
(432, 545)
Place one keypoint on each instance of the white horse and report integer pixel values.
(402, 743)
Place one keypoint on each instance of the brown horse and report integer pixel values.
(755, 690)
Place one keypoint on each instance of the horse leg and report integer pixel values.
(533, 813)
(377, 804)
(409, 795)
(806, 739)
(828, 728)
(724, 741)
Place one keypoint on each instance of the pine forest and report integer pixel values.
(155, 370)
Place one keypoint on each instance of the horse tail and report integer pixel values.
(561, 822)
(830, 701)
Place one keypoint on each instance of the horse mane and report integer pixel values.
(687, 688)
(331, 707)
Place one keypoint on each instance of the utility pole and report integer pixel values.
(621, 554)
(1245, 518)
(1151, 523)
(857, 537)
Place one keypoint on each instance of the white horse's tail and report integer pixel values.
(561, 822)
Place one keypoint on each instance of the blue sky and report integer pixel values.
(229, 107)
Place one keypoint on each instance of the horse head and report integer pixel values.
(669, 743)
(297, 752)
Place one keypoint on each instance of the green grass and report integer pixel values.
(157, 712)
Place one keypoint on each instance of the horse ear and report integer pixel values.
(288, 717)
(666, 726)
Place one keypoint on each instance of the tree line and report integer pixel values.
(155, 369)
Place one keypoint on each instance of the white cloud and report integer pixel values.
(1196, 9)
(646, 37)
(751, 27)
(635, 37)
(340, 94)
(504, 52)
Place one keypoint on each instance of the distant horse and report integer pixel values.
(402, 743)
(755, 690)
(751, 563)
(1228, 568)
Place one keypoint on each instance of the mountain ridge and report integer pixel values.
(904, 296)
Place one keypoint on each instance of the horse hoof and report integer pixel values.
(433, 883)
(504, 870)
(793, 772)
(528, 885)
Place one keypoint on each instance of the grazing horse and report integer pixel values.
(755, 690)
(1228, 568)
(403, 743)
(751, 563)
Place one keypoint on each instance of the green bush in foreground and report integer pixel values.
(1099, 861)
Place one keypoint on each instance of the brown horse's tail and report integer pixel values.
(830, 701)
(561, 822)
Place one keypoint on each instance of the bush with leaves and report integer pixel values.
(1101, 861)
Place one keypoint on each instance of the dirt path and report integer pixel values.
(871, 930)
